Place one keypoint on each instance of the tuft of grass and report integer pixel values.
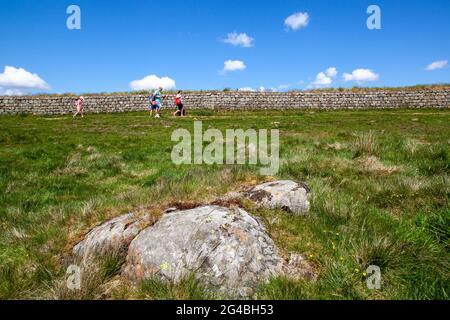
(282, 289)
(95, 277)
(365, 144)
(434, 159)
(187, 288)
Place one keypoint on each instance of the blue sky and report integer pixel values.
(125, 40)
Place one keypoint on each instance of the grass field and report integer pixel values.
(380, 196)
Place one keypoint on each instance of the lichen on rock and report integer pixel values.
(227, 249)
(110, 237)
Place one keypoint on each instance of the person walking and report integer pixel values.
(79, 105)
(156, 101)
(181, 111)
(152, 106)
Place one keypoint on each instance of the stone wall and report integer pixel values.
(346, 99)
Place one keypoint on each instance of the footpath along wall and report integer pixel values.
(346, 99)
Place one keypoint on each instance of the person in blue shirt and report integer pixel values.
(156, 102)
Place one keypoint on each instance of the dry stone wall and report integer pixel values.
(361, 99)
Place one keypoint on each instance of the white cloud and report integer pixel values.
(247, 89)
(18, 81)
(361, 75)
(233, 65)
(260, 89)
(241, 39)
(325, 78)
(331, 72)
(153, 82)
(264, 89)
(436, 65)
(297, 20)
(322, 80)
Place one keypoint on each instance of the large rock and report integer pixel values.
(226, 249)
(287, 195)
(112, 236)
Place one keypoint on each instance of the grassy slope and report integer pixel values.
(380, 196)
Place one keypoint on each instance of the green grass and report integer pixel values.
(380, 195)
(186, 289)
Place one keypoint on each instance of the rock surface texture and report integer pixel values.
(287, 195)
(226, 249)
(113, 236)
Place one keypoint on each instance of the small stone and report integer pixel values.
(298, 268)
(287, 195)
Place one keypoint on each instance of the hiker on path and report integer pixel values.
(181, 111)
(79, 104)
(156, 102)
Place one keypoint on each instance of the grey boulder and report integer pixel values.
(112, 236)
(285, 194)
(226, 249)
